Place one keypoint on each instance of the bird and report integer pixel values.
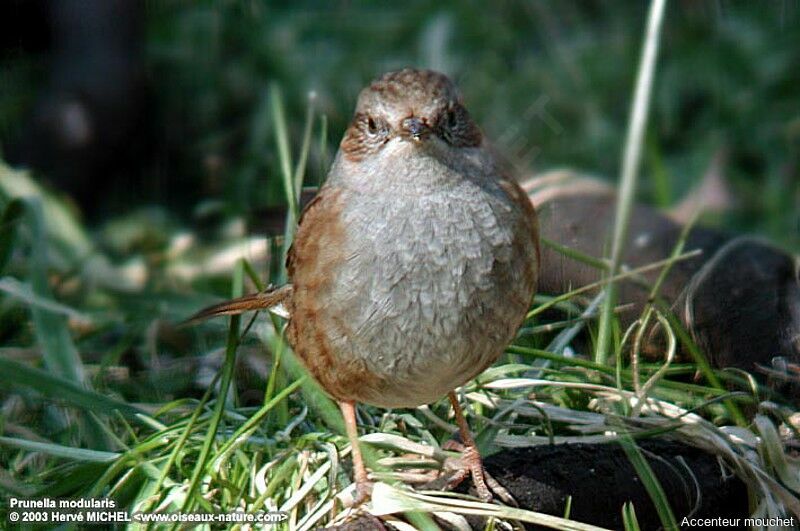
(413, 267)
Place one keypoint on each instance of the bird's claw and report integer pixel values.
(362, 494)
(470, 463)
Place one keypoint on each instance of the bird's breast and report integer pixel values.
(430, 291)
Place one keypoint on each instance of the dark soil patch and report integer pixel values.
(600, 479)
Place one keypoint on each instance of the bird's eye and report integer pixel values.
(372, 127)
(452, 119)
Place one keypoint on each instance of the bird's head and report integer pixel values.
(409, 107)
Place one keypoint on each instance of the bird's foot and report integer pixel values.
(361, 495)
(470, 463)
(363, 492)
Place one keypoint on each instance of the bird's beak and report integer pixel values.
(415, 128)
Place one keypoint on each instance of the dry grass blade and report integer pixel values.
(388, 500)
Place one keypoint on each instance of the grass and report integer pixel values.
(109, 398)
(631, 160)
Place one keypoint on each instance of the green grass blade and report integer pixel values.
(629, 519)
(59, 389)
(650, 482)
(246, 429)
(609, 281)
(58, 350)
(225, 384)
(305, 148)
(630, 166)
(771, 443)
(578, 256)
(57, 450)
(323, 148)
(52, 332)
(284, 153)
(58, 221)
(701, 361)
(24, 293)
(9, 221)
(187, 430)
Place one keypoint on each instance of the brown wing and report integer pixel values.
(516, 194)
(316, 257)
(317, 229)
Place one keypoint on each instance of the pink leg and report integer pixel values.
(363, 487)
(471, 462)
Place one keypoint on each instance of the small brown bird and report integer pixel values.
(415, 264)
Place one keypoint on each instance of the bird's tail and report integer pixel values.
(263, 300)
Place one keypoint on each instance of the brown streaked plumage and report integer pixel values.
(414, 266)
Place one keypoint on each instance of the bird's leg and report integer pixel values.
(470, 457)
(471, 462)
(363, 486)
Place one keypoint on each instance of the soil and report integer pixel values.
(600, 479)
